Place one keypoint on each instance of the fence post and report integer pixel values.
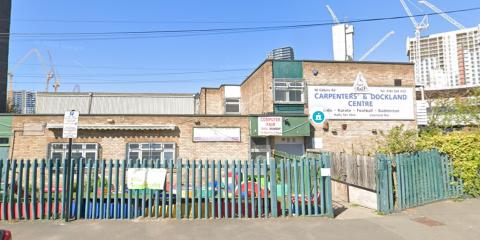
(19, 190)
(328, 187)
(178, 206)
(273, 188)
(27, 184)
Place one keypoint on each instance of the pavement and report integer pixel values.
(447, 220)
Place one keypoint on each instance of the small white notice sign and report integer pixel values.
(317, 143)
(156, 178)
(270, 126)
(70, 124)
(325, 172)
(136, 178)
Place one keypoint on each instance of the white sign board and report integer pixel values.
(270, 126)
(374, 103)
(156, 178)
(136, 178)
(70, 124)
(317, 143)
(216, 134)
(325, 172)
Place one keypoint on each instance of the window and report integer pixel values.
(3, 140)
(79, 150)
(156, 151)
(288, 91)
(397, 82)
(232, 105)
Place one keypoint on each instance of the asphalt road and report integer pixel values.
(447, 220)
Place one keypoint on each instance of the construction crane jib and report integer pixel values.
(378, 44)
(22, 60)
(419, 26)
(334, 17)
(443, 14)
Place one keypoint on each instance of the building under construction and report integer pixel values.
(449, 59)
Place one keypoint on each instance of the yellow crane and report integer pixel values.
(50, 73)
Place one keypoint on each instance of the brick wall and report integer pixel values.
(257, 93)
(344, 73)
(360, 137)
(113, 143)
(213, 99)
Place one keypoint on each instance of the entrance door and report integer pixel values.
(291, 145)
(260, 148)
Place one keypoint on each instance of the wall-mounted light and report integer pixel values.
(374, 131)
(197, 122)
(334, 132)
(344, 126)
(111, 121)
(315, 72)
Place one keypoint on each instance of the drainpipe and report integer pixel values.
(205, 100)
(90, 102)
(12, 145)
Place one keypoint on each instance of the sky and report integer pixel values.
(184, 64)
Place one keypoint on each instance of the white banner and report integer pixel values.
(374, 103)
(136, 178)
(156, 178)
(270, 126)
(216, 134)
(70, 124)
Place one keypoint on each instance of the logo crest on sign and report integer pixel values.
(318, 117)
(360, 84)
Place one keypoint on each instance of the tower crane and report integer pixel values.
(335, 19)
(11, 72)
(419, 26)
(380, 42)
(53, 70)
(443, 14)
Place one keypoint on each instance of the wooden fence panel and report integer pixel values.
(355, 170)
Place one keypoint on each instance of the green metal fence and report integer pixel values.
(193, 189)
(410, 180)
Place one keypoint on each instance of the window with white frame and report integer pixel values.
(79, 150)
(232, 105)
(155, 151)
(287, 91)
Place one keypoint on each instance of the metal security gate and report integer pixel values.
(193, 189)
(416, 179)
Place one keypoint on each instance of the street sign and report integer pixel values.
(70, 124)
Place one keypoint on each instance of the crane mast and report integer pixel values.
(53, 73)
(418, 28)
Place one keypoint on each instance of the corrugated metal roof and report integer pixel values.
(115, 127)
(116, 103)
